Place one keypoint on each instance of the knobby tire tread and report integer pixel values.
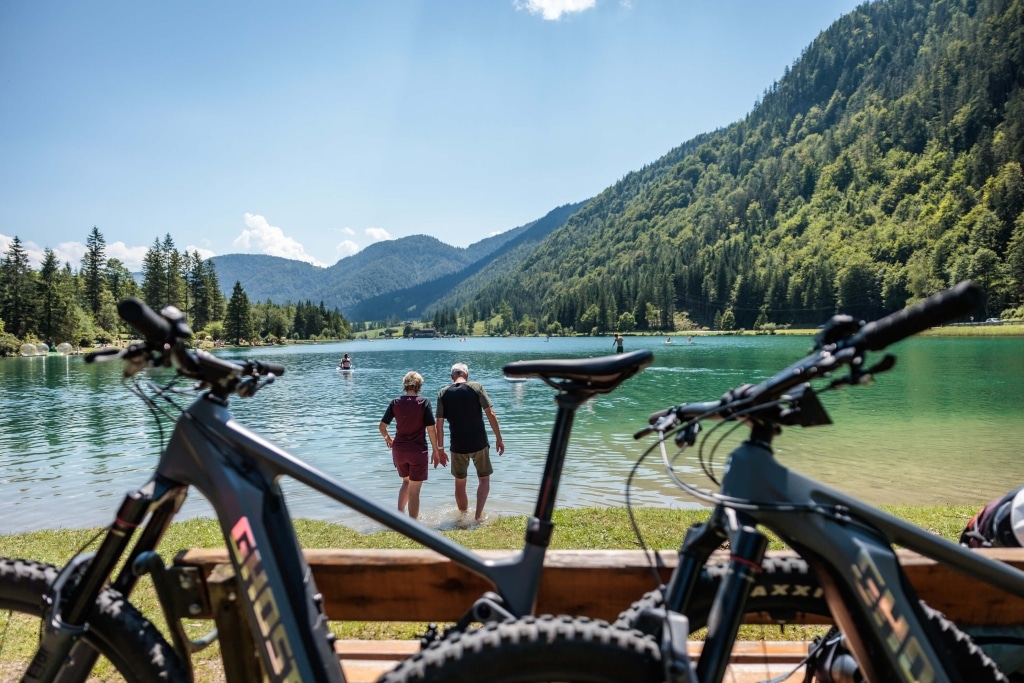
(116, 628)
(785, 588)
(783, 592)
(970, 660)
(534, 650)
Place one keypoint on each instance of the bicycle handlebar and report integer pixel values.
(165, 336)
(874, 336)
(155, 329)
(935, 310)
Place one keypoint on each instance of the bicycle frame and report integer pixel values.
(848, 546)
(238, 472)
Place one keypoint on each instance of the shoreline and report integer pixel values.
(972, 330)
(576, 528)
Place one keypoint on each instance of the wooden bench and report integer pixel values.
(421, 585)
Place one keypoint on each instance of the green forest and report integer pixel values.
(883, 166)
(61, 304)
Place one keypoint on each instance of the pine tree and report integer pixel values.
(154, 275)
(175, 274)
(91, 273)
(214, 297)
(238, 322)
(17, 290)
(196, 298)
(49, 294)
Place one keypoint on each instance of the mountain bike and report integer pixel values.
(846, 545)
(83, 609)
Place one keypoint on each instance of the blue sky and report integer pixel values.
(310, 130)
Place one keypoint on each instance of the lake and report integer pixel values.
(944, 426)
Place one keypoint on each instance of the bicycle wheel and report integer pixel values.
(784, 592)
(535, 650)
(116, 629)
(969, 659)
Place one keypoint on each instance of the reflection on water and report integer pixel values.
(943, 427)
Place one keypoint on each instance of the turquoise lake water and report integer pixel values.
(946, 425)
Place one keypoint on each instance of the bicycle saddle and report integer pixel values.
(583, 375)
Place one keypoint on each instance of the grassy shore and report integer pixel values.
(607, 528)
(576, 528)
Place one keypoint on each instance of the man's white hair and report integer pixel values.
(460, 369)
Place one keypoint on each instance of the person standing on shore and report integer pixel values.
(409, 447)
(463, 404)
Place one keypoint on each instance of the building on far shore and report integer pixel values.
(423, 333)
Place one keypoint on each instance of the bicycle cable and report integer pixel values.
(632, 517)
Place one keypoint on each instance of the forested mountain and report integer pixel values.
(268, 277)
(495, 258)
(385, 266)
(380, 267)
(395, 278)
(884, 165)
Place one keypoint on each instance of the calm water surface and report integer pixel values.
(945, 426)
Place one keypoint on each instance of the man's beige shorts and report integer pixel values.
(481, 461)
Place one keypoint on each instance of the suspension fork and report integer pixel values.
(747, 546)
(61, 655)
(699, 542)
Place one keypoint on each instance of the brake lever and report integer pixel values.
(136, 357)
(103, 355)
(248, 386)
(884, 365)
(688, 436)
(662, 424)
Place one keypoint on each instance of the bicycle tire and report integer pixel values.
(535, 650)
(784, 592)
(117, 630)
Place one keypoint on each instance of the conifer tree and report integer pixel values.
(238, 321)
(91, 273)
(17, 290)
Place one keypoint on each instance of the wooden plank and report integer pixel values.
(367, 660)
(421, 585)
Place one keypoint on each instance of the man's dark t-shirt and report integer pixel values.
(462, 404)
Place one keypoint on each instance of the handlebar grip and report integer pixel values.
(145, 320)
(935, 310)
(275, 368)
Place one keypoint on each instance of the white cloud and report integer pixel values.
(71, 252)
(552, 10)
(263, 238)
(378, 234)
(204, 253)
(349, 231)
(346, 248)
(131, 257)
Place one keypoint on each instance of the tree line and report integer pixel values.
(58, 303)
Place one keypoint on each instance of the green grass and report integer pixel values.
(590, 528)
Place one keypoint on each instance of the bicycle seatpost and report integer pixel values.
(539, 529)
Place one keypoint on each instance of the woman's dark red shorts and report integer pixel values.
(411, 463)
